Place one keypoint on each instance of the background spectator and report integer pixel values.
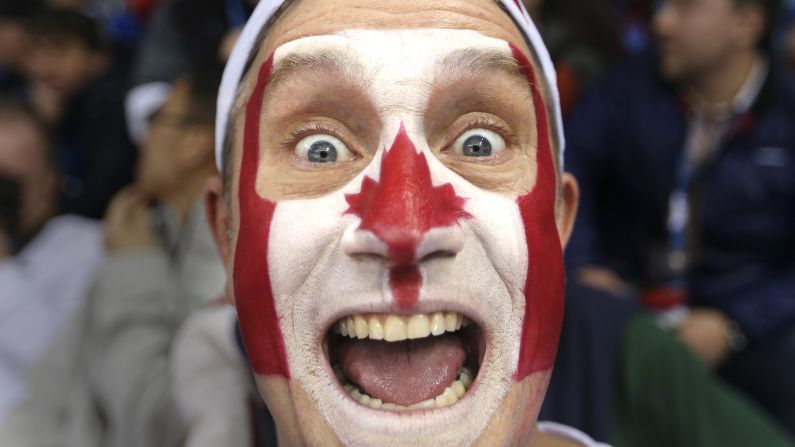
(584, 40)
(15, 44)
(46, 262)
(161, 266)
(77, 87)
(687, 165)
(183, 36)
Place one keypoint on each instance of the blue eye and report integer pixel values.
(478, 143)
(323, 149)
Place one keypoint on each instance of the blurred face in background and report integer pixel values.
(700, 36)
(23, 159)
(158, 166)
(65, 64)
(175, 145)
(14, 43)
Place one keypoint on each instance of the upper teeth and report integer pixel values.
(398, 328)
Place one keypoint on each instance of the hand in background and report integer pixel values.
(128, 223)
(706, 333)
(603, 279)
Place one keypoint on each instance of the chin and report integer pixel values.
(473, 420)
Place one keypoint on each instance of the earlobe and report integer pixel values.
(567, 211)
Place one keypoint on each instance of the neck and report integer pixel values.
(722, 83)
(544, 440)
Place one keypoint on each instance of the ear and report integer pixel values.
(753, 21)
(196, 147)
(567, 207)
(219, 218)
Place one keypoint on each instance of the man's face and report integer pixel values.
(22, 159)
(697, 36)
(396, 260)
(159, 168)
(14, 42)
(63, 64)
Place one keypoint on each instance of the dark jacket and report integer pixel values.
(94, 148)
(624, 145)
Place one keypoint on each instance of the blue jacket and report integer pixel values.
(625, 140)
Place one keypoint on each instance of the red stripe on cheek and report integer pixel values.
(256, 309)
(544, 286)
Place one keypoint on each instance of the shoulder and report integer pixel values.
(74, 226)
(72, 239)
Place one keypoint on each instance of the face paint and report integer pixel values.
(259, 323)
(401, 209)
(544, 284)
(364, 249)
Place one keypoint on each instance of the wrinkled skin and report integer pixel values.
(324, 260)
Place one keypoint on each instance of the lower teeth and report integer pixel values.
(451, 394)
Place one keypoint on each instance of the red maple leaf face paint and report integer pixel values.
(401, 208)
(543, 288)
(254, 300)
(361, 251)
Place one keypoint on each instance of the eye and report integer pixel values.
(323, 148)
(478, 143)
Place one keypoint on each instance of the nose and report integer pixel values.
(403, 246)
(404, 218)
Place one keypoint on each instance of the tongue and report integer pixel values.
(403, 373)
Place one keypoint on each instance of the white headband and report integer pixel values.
(233, 73)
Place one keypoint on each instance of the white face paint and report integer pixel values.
(324, 267)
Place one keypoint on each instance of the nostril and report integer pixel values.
(438, 255)
(362, 244)
(440, 243)
(403, 251)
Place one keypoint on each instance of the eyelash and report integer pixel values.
(493, 125)
(313, 129)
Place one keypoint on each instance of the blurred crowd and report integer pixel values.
(680, 128)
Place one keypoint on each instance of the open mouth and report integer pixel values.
(399, 363)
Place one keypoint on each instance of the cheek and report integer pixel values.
(544, 284)
(262, 335)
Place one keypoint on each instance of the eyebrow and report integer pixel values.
(467, 61)
(456, 64)
(325, 59)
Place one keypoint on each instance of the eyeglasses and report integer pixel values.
(162, 116)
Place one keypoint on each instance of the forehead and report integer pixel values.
(319, 17)
(393, 59)
(483, 21)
